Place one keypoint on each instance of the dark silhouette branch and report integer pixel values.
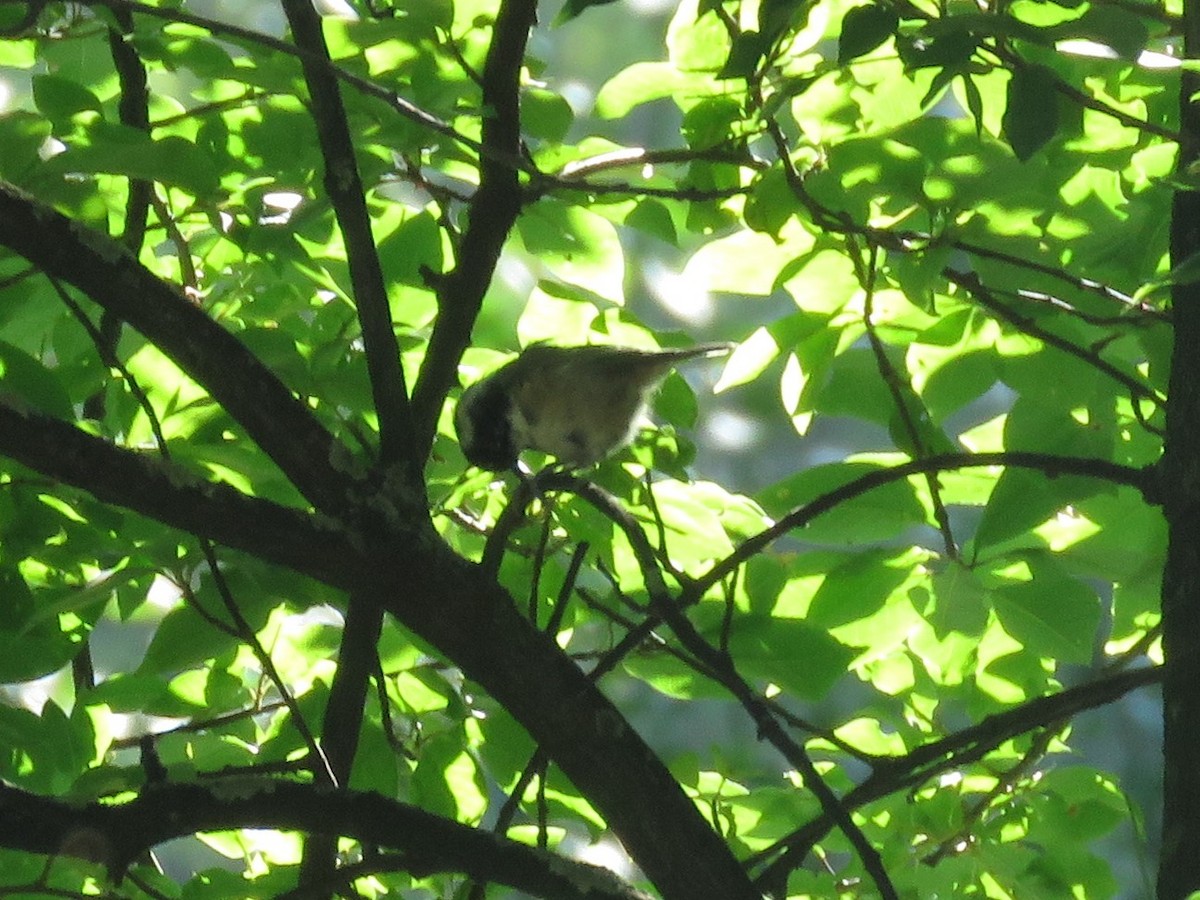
(449, 603)
(492, 214)
(723, 671)
(341, 726)
(114, 834)
(1089, 285)
(904, 397)
(174, 496)
(343, 185)
(986, 298)
(250, 392)
(1179, 864)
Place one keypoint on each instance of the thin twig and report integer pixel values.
(246, 634)
(1051, 464)
(970, 282)
(900, 400)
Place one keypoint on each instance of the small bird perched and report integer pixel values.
(578, 404)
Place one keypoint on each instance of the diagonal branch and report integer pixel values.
(953, 751)
(1027, 325)
(344, 186)
(723, 671)
(107, 273)
(448, 602)
(494, 210)
(172, 495)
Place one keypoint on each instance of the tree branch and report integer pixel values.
(343, 713)
(344, 187)
(107, 273)
(722, 670)
(494, 210)
(1051, 464)
(953, 751)
(174, 496)
(1179, 864)
(342, 723)
(986, 298)
(116, 834)
(448, 602)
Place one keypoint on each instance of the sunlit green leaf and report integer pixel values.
(1051, 614)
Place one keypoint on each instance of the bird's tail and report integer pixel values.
(715, 348)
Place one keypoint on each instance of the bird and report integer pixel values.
(578, 404)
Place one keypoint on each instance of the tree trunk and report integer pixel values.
(1179, 865)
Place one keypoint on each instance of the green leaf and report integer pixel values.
(446, 779)
(1021, 501)
(1121, 29)
(61, 98)
(712, 122)
(643, 82)
(117, 150)
(745, 53)
(670, 676)
(577, 246)
(1031, 114)
(28, 649)
(856, 589)
(802, 659)
(1185, 272)
(545, 114)
(749, 360)
(654, 218)
(877, 514)
(1051, 614)
(22, 134)
(24, 381)
(864, 28)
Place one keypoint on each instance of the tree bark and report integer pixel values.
(1179, 864)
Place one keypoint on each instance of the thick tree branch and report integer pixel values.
(494, 209)
(475, 623)
(105, 271)
(343, 713)
(342, 723)
(116, 834)
(174, 496)
(344, 187)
